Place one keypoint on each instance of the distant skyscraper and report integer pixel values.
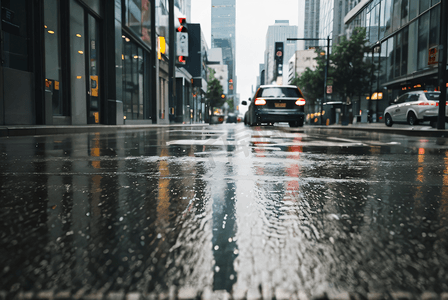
(223, 19)
(279, 32)
(312, 8)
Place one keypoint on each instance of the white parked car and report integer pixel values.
(412, 108)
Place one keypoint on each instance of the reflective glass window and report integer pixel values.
(396, 17)
(137, 18)
(77, 61)
(404, 50)
(388, 16)
(134, 91)
(398, 62)
(15, 34)
(382, 24)
(412, 47)
(52, 43)
(424, 5)
(383, 63)
(404, 12)
(413, 9)
(423, 34)
(390, 58)
(95, 5)
(434, 30)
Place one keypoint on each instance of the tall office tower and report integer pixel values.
(223, 18)
(278, 51)
(312, 8)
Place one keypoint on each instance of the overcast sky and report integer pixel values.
(252, 21)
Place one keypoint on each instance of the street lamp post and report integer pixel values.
(326, 68)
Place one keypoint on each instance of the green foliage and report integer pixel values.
(214, 91)
(352, 72)
(349, 69)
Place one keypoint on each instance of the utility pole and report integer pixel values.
(171, 62)
(326, 68)
(442, 63)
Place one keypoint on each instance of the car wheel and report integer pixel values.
(412, 119)
(388, 120)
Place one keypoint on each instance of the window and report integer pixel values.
(279, 92)
(398, 62)
(15, 35)
(413, 9)
(53, 73)
(133, 79)
(404, 50)
(412, 47)
(423, 33)
(404, 12)
(424, 5)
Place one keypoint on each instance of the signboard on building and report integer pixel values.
(182, 44)
(433, 56)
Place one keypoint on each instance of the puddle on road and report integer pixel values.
(140, 214)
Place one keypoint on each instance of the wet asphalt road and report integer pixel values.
(252, 211)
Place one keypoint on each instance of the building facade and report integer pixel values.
(88, 62)
(311, 20)
(223, 31)
(279, 33)
(402, 34)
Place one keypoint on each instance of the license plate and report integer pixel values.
(280, 105)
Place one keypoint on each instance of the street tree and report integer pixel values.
(311, 82)
(352, 71)
(214, 92)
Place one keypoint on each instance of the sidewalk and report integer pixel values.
(30, 130)
(26, 130)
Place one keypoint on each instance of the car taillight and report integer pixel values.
(432, 103)
(260, 101)
(300, 102)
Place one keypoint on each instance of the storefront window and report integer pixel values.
(133, 80)
(138, 18)
(423, 33)
(77, 63)
(52, 40)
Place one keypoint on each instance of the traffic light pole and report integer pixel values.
(442, 63)
(327, 65)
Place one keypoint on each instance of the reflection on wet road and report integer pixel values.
(245, 210)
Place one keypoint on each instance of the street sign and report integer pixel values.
(329, 89)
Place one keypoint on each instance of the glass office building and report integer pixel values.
(223, 19)
(401, 34)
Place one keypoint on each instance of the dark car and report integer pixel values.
(231, 118)
(276, 103)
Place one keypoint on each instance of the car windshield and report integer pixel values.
(280, 92)
(432, 96)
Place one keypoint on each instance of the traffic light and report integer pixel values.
(278, 57)
(182, 42)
